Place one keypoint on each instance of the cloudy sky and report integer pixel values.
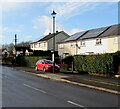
(33, 20)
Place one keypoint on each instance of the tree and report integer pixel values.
(24, 44)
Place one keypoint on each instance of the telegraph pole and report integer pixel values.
(15, 47)
(15, 40)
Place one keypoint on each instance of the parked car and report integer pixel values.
(46, 65)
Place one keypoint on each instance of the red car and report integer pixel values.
(46, 65)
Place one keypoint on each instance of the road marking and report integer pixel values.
(6, 77)
(34, 88)
(75, 104)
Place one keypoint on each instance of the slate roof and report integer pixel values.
(93, 33)
(113, 30)
(21, 48)
(47, 37)
(75, 36)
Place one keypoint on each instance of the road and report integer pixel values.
(21, 89)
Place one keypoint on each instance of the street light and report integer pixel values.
(53, 55)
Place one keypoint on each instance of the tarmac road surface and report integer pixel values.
(20, 89)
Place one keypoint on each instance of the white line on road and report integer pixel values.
(75, 104)
(34, 88)
(6, 77)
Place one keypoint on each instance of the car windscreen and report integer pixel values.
(48, 62)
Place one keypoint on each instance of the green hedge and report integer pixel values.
(29, 61)
(68, 60)
(106, 64)
(8, 60)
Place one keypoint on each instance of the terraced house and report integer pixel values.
(46, 43)
(94, 41)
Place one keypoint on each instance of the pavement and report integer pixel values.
(107, 84)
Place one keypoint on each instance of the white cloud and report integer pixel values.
(66, 10)
(46, 23)
(42, 21)
(25, 38)
(11, 6)
(28, 38)
(8, 29)
(3, 28)
(74, 30)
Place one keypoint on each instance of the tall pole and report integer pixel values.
(54, 45)
(15, 40)
(15, 47)
(53, 55)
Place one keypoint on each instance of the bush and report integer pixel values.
(29, 61)
(8, 60)
(68, 60)
(106, 64)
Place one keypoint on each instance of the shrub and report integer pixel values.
(29, 61)
(68, 60)
(8, 60)
(106, 64)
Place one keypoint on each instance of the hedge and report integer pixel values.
(8, 60)
(29, 61)
(106, 64)
(68, 60)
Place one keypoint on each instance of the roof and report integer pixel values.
(113, 30)
(47, 37)
(75, 36)
(23, 49)
(94, 33)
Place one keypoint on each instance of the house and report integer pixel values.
(46, 43)
(21, 50)
(5, 53)
(0, 53)
(100, 41)
(94, 41)
(69, 45)
(113, 35)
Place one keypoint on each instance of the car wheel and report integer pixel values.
(44, 69)
(36, 68)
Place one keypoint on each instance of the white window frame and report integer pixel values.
(98, 41)
(82, 43)
(72, 45)
(61, 46)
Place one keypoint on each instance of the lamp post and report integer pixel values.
(53, 55)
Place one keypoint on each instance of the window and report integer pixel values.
(39, 44)
(98, 41)
(32, 46)
(44, 44)
(82, 43)
(61, 46)
(72, 45)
